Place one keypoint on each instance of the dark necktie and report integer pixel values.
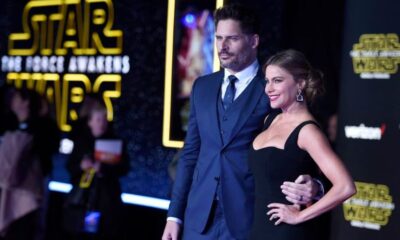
(230, 92)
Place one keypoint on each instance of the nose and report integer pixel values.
(269, 88)
(224, 44)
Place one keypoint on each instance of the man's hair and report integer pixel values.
(247, 18)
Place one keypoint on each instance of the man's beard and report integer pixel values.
(237, 63)
(233, 64)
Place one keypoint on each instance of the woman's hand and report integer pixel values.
(289, 214)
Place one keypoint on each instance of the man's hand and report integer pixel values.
(171, 231)
(302, 191)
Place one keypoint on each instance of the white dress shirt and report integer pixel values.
(244, 79)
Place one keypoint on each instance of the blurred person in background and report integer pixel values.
(26, 153)
(7, 118)
(105, 183)
(331, 128)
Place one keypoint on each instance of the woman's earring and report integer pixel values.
(299, 96)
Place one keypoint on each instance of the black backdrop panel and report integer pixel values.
(369, 117)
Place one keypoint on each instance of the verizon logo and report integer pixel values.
(363, 132)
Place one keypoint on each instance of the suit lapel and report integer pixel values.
(212, 103)
(244, 108)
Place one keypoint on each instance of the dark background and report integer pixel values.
(373, 102)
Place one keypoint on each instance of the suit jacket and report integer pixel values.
(206, 159)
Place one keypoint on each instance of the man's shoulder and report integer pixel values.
(210, 80)
(212, 76)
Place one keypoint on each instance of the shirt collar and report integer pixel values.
(249, 71)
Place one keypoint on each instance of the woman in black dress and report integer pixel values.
(292, 144)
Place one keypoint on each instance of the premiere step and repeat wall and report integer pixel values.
(369, 121)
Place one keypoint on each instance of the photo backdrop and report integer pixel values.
(369, 120)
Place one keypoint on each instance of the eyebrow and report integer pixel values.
(229, 36)
(278, 77)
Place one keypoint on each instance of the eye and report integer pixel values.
(234, 38)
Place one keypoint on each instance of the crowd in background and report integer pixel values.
(29, 138)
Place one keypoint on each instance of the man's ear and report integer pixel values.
(255, 40)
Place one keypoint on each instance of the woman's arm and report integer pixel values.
(312, 140)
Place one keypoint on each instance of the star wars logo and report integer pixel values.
(68, 48)
(370, 208)
(376, 55)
